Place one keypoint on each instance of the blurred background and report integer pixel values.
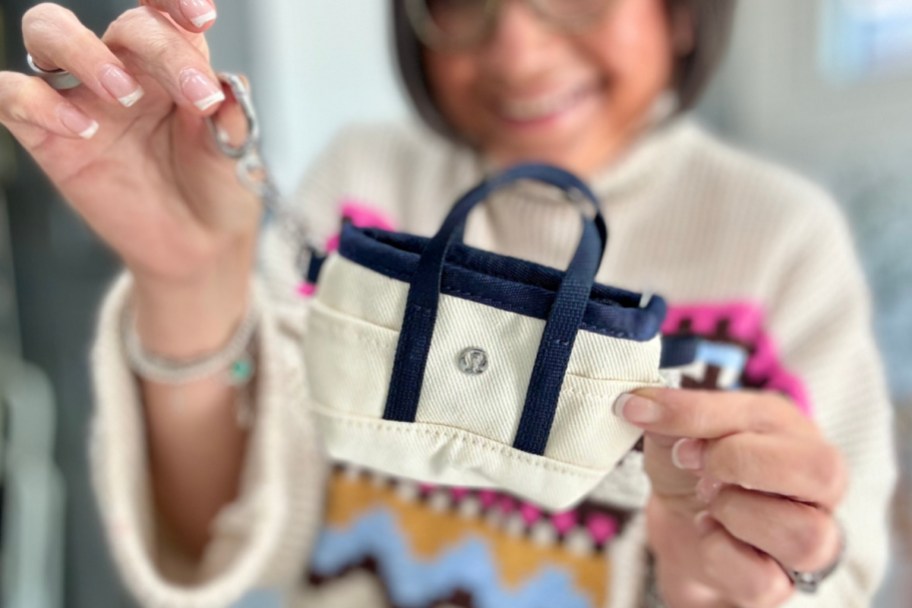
(824, 86)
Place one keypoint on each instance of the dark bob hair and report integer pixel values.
(712, 22)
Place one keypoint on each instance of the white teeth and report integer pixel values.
(538, 108)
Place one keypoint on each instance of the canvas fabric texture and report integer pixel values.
(753, 260)
(465, 425)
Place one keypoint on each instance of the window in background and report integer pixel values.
(315, 67)
(863, 38)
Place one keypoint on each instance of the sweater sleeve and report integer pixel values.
(262, 540)
(821, 317)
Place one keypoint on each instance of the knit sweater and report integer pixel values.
(749, 257)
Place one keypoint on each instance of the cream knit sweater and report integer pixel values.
(690, 218)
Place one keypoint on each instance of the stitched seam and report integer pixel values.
(461, 435)
(500, 303)
(609, 303)
(623, 335)
(585, 393)
(393, 273)
(341, 332)
(336, 327)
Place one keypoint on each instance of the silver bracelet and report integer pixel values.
(234, 358)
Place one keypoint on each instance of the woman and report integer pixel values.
(747, 488)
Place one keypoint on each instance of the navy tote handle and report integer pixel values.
(561, 328)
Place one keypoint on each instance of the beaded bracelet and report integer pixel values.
(234, 358)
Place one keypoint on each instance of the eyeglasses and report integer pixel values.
(456, 25)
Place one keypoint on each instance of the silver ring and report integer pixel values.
(809, 582)
(59, 79)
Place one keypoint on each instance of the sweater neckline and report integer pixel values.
(632, 170)
(648, 156)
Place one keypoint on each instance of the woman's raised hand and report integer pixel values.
(743, 487)
(130, 150)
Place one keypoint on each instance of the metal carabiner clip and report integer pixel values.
(242, 95)
(252, 171)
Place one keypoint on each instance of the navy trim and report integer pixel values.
(568, 295)
(556, 345)
(314, 266)
(503, 282)
(564, 318)
(679, 351)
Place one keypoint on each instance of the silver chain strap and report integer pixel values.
(253, 173)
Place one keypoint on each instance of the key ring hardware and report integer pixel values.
(253, 173)
(245, 101)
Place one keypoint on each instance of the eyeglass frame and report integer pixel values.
(420, 21)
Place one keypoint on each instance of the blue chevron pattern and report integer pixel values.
(413, 583)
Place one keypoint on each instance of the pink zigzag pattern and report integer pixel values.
(602, 527)
(359, 214)
(746, 323)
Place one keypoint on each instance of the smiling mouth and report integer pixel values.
(542, 108)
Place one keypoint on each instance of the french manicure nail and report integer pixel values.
(636, 409)
(121, 85)
(687, 454)
(199, 12)
(200, 89)
(77, 122)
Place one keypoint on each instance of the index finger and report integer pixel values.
(192, 15)
(708, 414)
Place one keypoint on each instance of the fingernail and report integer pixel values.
(199, 12)
(707, 489)
(77, 122)
(704, 523)
(121, 85)
(200, 89)
(636, 409)
(687, 454)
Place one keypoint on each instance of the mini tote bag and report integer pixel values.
(432, 360)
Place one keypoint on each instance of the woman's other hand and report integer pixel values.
(743, 487)
(129, 149)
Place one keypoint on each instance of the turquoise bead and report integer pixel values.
(241, 371)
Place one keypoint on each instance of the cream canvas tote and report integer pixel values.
(432, 360)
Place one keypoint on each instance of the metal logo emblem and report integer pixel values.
(473, 361)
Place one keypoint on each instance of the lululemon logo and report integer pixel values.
(473, 361)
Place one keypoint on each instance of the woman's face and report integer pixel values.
(532, 92)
